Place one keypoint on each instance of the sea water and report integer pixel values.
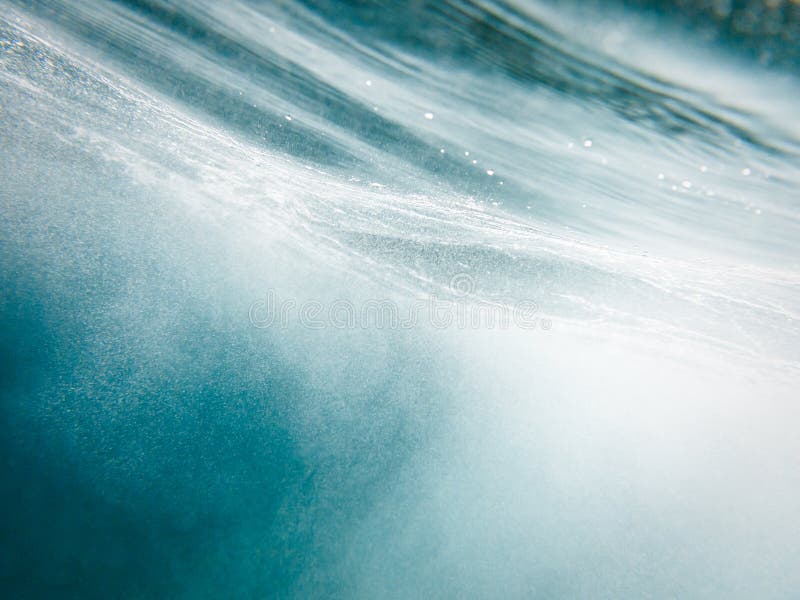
(420, 300)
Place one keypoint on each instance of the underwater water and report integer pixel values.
(465, 299)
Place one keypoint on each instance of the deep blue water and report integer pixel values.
(627, 172)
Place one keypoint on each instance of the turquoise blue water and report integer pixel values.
(225, 225)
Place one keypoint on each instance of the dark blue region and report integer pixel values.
(766, 32)
(495, 38)
(152, 446)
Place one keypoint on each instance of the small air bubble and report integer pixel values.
(368, 82)
(686, 183)
(661, 176)
(746, 172)
(587, 143)
(489, 172)
(441, 150)
(429, 115)
(288, 117)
